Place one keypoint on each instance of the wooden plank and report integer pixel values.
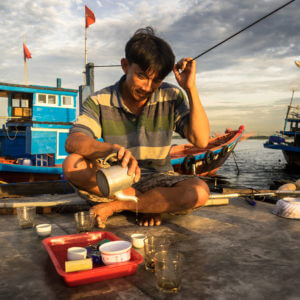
(218, 201)
(35, 188)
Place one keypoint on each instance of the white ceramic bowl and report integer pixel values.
(43, 229)
(76, 253)
(115, 252)
(138, 240)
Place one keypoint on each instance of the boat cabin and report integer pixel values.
(35, 122)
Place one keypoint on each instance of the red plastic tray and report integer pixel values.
(57, 250)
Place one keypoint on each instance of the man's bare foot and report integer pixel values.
(149, 219)
(102, 211)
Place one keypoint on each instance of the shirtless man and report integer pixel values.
(136, 118)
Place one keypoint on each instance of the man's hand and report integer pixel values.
(185, 73)
(127, 159)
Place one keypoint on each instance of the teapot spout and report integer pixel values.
(123, 197)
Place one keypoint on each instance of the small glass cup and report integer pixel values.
(26, 216)
(152, 245)
(168, 270)
(84, 221)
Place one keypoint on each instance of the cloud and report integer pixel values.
(254, 67)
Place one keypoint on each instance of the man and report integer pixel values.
(136, 118)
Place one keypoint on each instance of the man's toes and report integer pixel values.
(100, 223)
(158, 220)
(151, 222)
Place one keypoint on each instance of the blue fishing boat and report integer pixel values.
(35, 124)
(288, 141)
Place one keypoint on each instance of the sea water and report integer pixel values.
(259, 167)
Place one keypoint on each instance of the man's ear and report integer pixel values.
(124, 65)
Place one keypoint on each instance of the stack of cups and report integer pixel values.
(165, 262)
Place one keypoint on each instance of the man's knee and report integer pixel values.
(196, 192)
(201, 190)
(73, 163)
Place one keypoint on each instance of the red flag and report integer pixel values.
(89, 17)
(27, 53)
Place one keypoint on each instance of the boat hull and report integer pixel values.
(10, 172)
(292, 158)
(188, 159)
(290, 153)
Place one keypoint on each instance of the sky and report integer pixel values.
(246, 81)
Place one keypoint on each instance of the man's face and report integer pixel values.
(139, 84)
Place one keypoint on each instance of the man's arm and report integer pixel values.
(197, 130)
(91, 149)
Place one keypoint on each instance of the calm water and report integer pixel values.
(259, 167)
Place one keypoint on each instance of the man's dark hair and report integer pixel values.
(150, 52)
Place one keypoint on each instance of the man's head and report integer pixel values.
(150, 53)
(149, 59)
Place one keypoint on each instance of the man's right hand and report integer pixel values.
(127, 159)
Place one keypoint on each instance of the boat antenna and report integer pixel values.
(252, 24)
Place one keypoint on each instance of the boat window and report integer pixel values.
(46, 99)
(15, 102)
(42, 98)
(67, 101)
(24, 103)
(51, 99)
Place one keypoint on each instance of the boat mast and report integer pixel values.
(288, 111)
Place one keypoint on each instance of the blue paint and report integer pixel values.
(13, 146)
(62, 136)
(29, 169)
(53, 114)
(43, 142)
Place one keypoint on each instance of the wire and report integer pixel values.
(230, 37)
(107, 66)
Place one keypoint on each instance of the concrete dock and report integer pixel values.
(235, 251)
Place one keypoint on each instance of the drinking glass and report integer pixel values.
(152, 245)
(84, 221)
(26, 216)
(168, 270)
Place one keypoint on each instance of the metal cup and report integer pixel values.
(113, 179)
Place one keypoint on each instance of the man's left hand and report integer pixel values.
(185, 73)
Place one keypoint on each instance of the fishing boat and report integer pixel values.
(288, 141)
(188, 159)
(35, 125)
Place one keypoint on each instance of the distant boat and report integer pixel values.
(188, 159)
(289, 139)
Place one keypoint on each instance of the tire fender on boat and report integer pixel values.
(209, 157)
(188, 162)
(224, 150)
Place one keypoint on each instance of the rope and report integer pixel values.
(10, 138)
(234, 158)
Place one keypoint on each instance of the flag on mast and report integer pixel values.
(89, 17)
(27, 53)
